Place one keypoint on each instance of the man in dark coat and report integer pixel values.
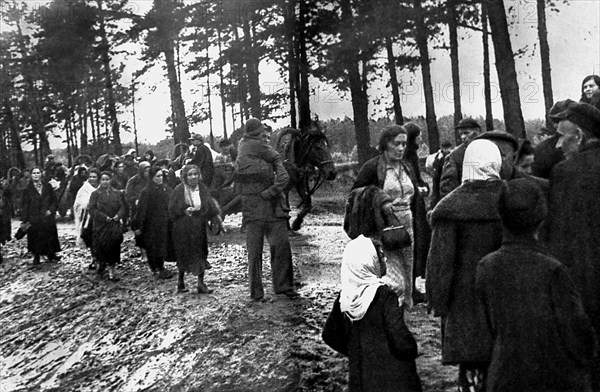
(468, 129)
(261, 178)
(573, 223)
(542, 339)
(202, 157)
(436, 172)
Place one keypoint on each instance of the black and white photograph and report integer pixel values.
(300, 196)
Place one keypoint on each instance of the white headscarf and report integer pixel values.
(360, 277)
(482, 161)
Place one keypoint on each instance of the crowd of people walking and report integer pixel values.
(509, 247)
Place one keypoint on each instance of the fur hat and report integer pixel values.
(583, 114)
(467, 123)
(522, 205)
(253, 127)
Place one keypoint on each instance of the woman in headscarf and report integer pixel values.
(38, 208)
(190, 208)
(107, 208)
(367, 325)
(83, 219)
(390, 172)
(151, 223)
(466, 227)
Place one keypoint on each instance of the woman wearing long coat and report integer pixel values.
(107, 207)
(190, 209)
(367, 325)
(152, 224)
(466, 227)
(38, 207)
(395, 176)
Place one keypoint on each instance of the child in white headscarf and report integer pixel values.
(367, 325)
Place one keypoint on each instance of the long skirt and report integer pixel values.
(108, 237)
(400, 262)
(191, 244)
(42, 237)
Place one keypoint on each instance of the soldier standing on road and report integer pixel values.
(262, 178)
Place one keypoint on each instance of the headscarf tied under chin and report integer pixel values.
(482, 161)
(360, 277)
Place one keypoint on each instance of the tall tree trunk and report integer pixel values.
(360, 100)
(545, 56)
(251, 60)
(291, 27)
(15, 138)
(487, 84)
(421, 38)
(242, 85)
(505, 66)
(222, 84)
(104, 48)
(181, 131)
(302, 58)
(208, 95)
(398, 117)
(68, 134)
(453, 28)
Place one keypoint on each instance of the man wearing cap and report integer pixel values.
(261, 178)
(200, 156)
(574, 219)
(468, 129)
(542, 338)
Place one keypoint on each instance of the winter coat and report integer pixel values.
(107, 234)
(573, 223)
(261, 178)
(380, 348)
(119, 181)
(42, 236)
(134, 188)
(546, 155)
(5, 214)
(202, 158)
(436, 177)
(542, 338)
(452, 170)
(152, 218)
(189, 232)
(373, 173)
(466, 227)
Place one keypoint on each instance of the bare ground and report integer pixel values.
(63, 330)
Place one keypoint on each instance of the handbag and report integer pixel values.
(22, 231)
(337, 329)
(395, 237)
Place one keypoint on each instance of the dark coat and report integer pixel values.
(373, 173)
(119, 181)
(133, 189)
(107, 235)
(436, 177)
(452, 170)
(42, 236)
(380, 347)
(189, 232)
(152, 219)
(466, 227)
(5, 214)
(203, 159)
(542, 338)
(573, 223)
(546, 156)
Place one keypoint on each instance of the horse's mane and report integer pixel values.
(281, 134)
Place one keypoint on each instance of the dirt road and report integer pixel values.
(63, 330)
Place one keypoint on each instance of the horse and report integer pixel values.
(307, 159)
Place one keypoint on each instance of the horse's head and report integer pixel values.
(313, 148)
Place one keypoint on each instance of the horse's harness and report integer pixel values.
(303, 167)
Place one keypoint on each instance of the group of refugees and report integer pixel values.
(512, 265)
(169, 207)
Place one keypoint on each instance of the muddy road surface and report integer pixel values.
(62, 329)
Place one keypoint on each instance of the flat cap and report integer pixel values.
(467, 123)
(500, 136)
(583, 114)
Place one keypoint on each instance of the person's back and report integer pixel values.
(546, 156)
(542, 339)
